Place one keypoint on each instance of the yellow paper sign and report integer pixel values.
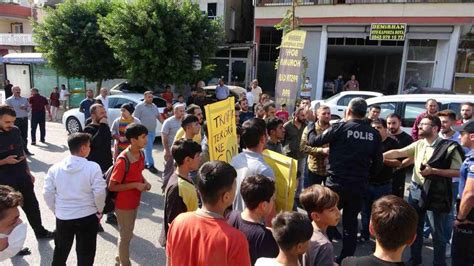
(285, 169)
(294, 39)
(222, 130)
(388, 31)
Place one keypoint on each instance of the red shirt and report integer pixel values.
(54, 98)
(283, 115)
(168, 96)
(38, 103)
(196, 239)
(128, 199)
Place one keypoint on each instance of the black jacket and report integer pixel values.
(101, 152)
(355, 152)
(437, 192)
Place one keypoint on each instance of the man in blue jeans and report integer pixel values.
(421, 151)
(148, 114)
(379, 184)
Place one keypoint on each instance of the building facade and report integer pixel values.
(437, 50)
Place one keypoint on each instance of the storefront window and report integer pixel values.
(464, 77)
(420, 64)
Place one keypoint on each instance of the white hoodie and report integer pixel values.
(74, 188)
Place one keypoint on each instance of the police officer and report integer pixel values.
(355, 152)
(463, 233)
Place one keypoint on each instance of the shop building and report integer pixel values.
(436, 51)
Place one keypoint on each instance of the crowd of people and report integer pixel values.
(219, 213)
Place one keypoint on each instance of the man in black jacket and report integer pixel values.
(355, 152)
(101, 138)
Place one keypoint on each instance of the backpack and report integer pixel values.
(112, 195)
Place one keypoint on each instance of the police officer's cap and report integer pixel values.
(467, 127)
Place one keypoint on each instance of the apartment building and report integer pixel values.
(435, 48)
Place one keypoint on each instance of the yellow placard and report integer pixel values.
(285, 169)
(294, 39)
(222, 130)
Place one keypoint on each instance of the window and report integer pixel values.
(386, 109)
(112, 102)
(344, 100)
(159, 102)
(411, 112)
(212, 10)
(17, 27)
(119, 102)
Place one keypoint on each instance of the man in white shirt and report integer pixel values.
(104, 98)
(74, 191)
(256, 91)
(250, 161)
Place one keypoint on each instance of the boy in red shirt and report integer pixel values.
(129, 187)
(203, 237)
(283, 113)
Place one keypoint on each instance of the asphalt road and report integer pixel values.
(144, 249)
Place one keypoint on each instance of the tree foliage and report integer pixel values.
(70, 40)
(155, 40)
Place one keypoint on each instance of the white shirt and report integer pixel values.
(250, 98)
(248, 163)
(63, 94)
(105, 101)
(256, 94)
(74, 188)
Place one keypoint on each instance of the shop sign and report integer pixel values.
(388, 31)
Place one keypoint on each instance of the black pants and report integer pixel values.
(463, 245)
(314, 178)
(350, 200)
(38, 118)
(30, 203)
(85, 231)
(398, 183)
(22, 124)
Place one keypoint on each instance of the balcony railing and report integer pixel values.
(17, 39)
(342, 2)
(16, 2)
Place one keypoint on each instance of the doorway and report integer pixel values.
(376, 64)
(19, 75)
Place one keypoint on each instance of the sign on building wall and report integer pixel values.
(388, 31)
(222, 130)
(289, 68)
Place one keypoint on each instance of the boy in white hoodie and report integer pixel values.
(74, 190)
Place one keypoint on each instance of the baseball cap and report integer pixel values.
(467, 127)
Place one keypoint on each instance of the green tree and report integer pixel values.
(70, 40)
(155, 40)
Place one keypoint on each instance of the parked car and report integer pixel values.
(126, 87)
(338, 102)
(235, 91)
(73, 120)
(409, 106)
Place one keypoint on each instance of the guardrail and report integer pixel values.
(345, 2)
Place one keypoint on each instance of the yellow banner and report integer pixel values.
(294, 39)
(222, 130)
(285, 169)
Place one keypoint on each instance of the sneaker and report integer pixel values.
(111, 219)
(43, 141)
(33, 143)
(28, 153)
(448, 251)
(24, 252)
(46, 235)
(153, 169)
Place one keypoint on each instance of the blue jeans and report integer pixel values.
(373, 193)
(149, 148)
(437, 222)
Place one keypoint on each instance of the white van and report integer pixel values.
(409, 106)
